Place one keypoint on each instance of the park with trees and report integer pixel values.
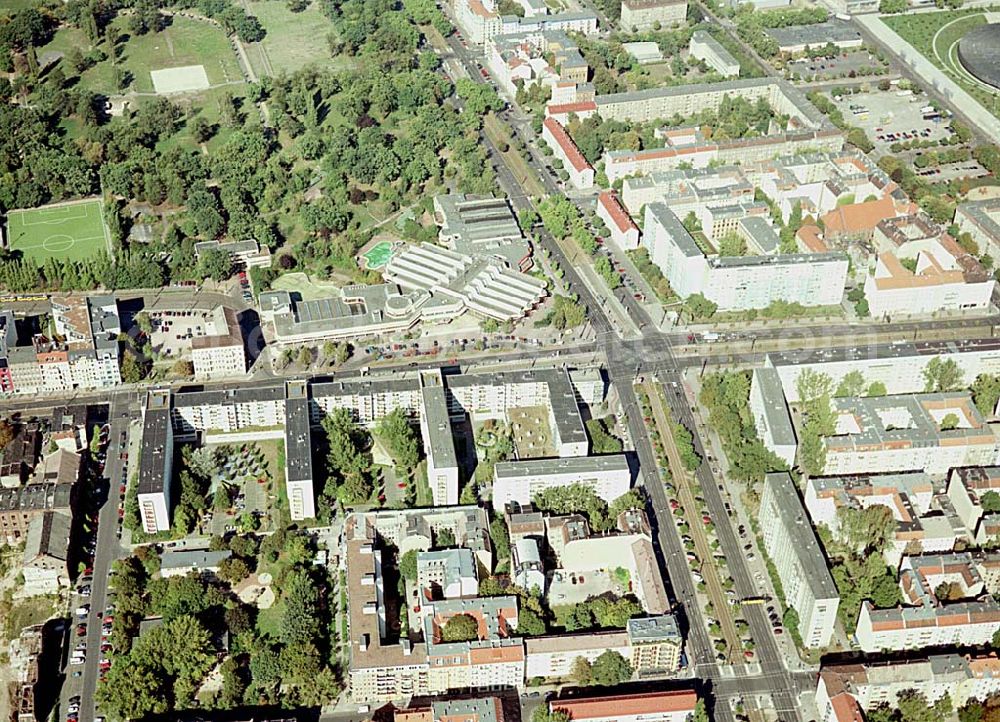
(282, 653)
(364, 141)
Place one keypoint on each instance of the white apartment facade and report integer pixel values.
(842, 689)
(791, 544)
(624, 231)
(220, 353)
(959, 624)
(609, 476)
(637, 15)
(581, 173)
(770, 415)
(740, 283)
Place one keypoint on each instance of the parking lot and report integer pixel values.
(841, 66)
(888, 117)
(571, 588)
(954, 171)
(174, 330)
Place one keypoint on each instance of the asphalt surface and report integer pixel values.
(623, 367)
(651, 355)
(108, 550)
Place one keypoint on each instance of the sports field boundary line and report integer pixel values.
(53, 220)
(73, 238)
(59, 204)
(107, 233)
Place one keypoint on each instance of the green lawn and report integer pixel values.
(936, 35)
(25, 613)
(65, 230)
(183, 42)
(9, 7)
(293, 40)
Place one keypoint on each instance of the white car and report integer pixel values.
(77, 660)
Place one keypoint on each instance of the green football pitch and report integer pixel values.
(73, 231)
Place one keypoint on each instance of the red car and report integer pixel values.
(401, 485)
(81, 630)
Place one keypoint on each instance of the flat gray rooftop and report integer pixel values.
(154, 447)
(798, 528)
(779, 421)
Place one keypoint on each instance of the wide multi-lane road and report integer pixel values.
(624, 361)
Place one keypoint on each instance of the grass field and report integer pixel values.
(67, 230)
(309, 288)
(183, 42)
(9, 7)
(293, 40)
(936, 36)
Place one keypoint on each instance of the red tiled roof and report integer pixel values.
(609, 199)
(573, 154)
(581, 107)
(627, 704)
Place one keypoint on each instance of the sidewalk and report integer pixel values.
(709, 570)
(720, 468)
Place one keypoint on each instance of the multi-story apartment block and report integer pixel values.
(981, 220)
(85, 356)
(478, 19)
(447, 574)
(581, 173)
(381, 669)
(291, 410)
(666, 706)
(927, 620)
(298, 452)
(553, 657)
(494, 660)
(220, 353)
(966, 488)
(791, 544)
(8, 340)
(639, 15)
(900, 367)
(705, 47)
(653, 645)
(923, 524)
(740, 282)
(686, 190)
(156, 460)
(624, 232)
(18, 507)
(439, 444)
(807, 128)
(771, 417)
(656, 643)
(415, 529)
(843, 691)
(577, 21)
(933, 432)
(522, 60)
(609, 476)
